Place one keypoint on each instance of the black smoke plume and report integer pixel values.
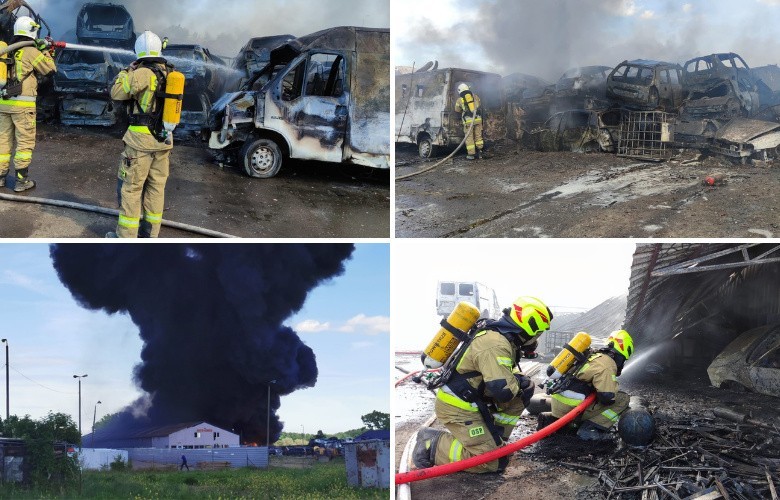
(210, 316)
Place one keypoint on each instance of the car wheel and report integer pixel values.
(425, 146)
(654, 99)
(262, 158)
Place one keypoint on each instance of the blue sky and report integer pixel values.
(546, 38)
(51, 338)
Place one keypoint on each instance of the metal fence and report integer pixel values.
(645, 135)
(236, 457)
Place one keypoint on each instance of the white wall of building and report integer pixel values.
(203, 435)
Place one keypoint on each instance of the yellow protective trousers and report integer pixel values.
(142, 175)
(17, 128)
(474, 140)
(469, 434)
(604, 416)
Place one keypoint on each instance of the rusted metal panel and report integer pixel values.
(368, 463)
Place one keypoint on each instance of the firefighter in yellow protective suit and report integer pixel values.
(17, 104)
(144, 164)
(481, 403)
(470, 109)
(599, 374)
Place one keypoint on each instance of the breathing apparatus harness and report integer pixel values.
(152, 119)
(569, 381)
(458, 383)
(470, 109)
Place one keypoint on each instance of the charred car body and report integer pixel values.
(581, 88)
(425, 107)
(256, 54)
(644, 84)
(719, 86)
(751, 361)
(84, 78)
(578, 130)
(82, 84)
(105, 24)
(324, 96)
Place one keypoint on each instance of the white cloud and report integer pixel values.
(367, 324)
(311, 325)
(16, 279)
(687, 7)
(627, 8)
(648, 14)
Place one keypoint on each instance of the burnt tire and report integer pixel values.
(262, 158)
(425, 147)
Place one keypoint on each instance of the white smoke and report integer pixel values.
(545, 38)
(225, 26)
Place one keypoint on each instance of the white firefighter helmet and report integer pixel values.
(148, 45)
(462, 87)
(26, 26)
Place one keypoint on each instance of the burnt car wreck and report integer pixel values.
(324, 96)
(714, 103)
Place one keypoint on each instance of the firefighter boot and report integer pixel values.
(469, 157)
(544, 419)
(424, 451)
(589, 431)
(23, 183)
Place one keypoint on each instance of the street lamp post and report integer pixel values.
(7, 392)
(94, 416)
(268, 418)
(80, 377)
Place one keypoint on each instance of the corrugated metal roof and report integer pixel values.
(660, 307)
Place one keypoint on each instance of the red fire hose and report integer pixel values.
(442, 470)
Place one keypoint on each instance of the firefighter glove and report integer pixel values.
(605, 398)
(41, 44)
(526, 388)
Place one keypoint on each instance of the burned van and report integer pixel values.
(324, 96)
(425, 107)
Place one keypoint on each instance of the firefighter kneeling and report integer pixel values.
(598, 374)
(481, 402)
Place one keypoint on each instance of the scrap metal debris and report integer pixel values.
(720, 454)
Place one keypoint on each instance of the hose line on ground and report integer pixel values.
(442, 160)
(109, 211)
(442, 470)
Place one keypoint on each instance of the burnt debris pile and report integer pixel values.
(212, 321)
(709, 455)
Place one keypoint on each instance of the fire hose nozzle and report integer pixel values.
(59, 45)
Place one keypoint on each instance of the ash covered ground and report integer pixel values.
(522, 193)
(677, 400)
(306, 199)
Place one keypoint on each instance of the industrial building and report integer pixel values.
(187, 435)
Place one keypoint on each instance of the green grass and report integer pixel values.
(324, 480)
